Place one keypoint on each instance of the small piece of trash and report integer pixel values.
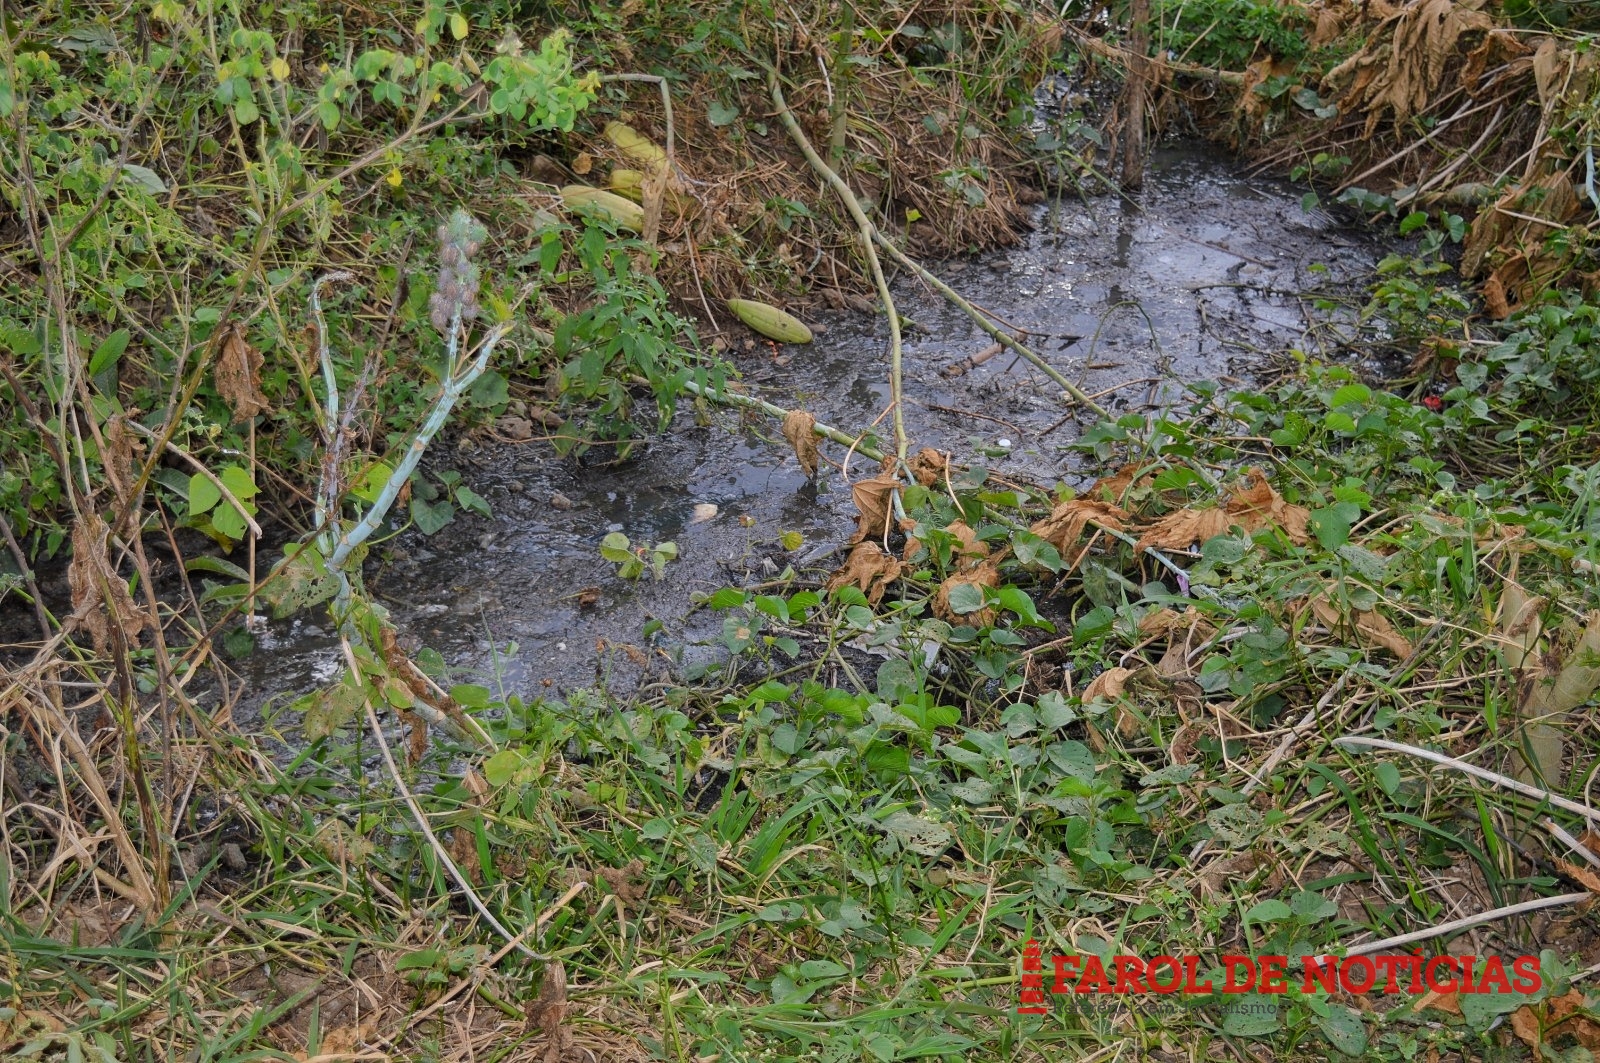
(703, 511)
(1003, 441)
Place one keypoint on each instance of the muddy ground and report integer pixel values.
(1200, 277)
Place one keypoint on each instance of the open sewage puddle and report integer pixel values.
(1189, 281)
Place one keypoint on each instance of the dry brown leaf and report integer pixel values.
(1112, 488)
(928, 467)
(1066, 522)
(1371, 628)
(1258, 505)
(1521, 218)
(1253, 508)
(797, 429)
(973, 549)
(123, 448)
(100, 597)
(237, 372)
(1108, 685)
(1548, 60)
(869, 569)
(516, 429)
(986, 574)
(1567, 1020)
(548, 1012)
(1182, 528)
(1449, 1003)
(1403, 61)
(625, 882)
(871, 497)
(1583, 876)
(1525, 1024)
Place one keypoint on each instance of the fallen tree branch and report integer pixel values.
(971, 361)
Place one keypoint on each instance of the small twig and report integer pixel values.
(1569, 841)
(227, 495)
(972, 361)
(1470, 921)
(1593, 815)
(422, 820)
(27, 577)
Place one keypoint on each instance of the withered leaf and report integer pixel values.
(1583, 876)
(986, 574)
(1371, 628)
(973, 550)
(798, 428)
(100, 597)
(871, 497)
(548, 1012)
(237, 372)
(1568, 1018)
(1066, 522)
(869, 569)
(928, 467)
(1108, 685)
(1255, 507)
(123, 448)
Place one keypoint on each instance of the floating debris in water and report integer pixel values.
(703, 511)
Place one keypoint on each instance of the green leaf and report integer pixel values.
(1268, 911)
(721, 114)
(228, 521)
(1053, 712)
(203, 494)
(1251, 1015)
(1310, 907)
(1330, 526)
(473, 502)
(616, 549)
(430, 518)
(1351, 393)
(1413, 221)
(458, 25)
(328, 115)
(109, 352)
(501, 768)
(245, 111)
(238, 481)
(1388, 777)
(145, 178)
(1344, 1030)
(966, 598)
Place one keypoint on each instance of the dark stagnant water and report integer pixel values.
(1192, 281)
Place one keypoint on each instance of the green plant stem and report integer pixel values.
(990, 327)
(729, 398)
(868, 233)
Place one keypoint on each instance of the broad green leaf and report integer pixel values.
(109, 352)
(203, 494)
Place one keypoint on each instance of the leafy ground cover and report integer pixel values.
(1188, 711)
